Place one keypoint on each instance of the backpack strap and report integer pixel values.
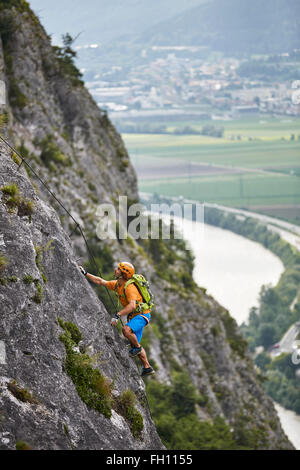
(130, 281)
(140, 305)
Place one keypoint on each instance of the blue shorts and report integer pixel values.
(137, 325)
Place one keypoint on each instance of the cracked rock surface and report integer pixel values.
(32, 353)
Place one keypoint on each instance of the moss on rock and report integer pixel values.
(93, 388)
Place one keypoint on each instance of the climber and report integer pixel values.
(130, 300)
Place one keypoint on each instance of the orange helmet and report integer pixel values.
(127, 269)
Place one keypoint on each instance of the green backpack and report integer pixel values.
(144, 289)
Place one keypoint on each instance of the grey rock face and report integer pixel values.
(98, 164)
(32, 353)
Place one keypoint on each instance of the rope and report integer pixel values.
(77, 225)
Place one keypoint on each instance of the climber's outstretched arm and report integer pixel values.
(95, 279)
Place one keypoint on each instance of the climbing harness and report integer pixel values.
(77, 225)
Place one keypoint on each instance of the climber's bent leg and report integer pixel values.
(133, 331)
(143, 358)
(129, 334)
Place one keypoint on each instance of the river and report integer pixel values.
(233, 270)
(231, 267)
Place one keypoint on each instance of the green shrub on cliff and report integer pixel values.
(3, 262)
(20, 5)
(92, 387)
(51, 154)
(125, 405)
(13, 200)
(65, 58)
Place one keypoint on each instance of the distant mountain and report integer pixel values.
(232, 26)
(125, 29)
(101, 21)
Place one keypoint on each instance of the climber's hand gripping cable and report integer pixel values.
(102, 282)
(82, 270)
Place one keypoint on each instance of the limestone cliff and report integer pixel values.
(46, 304)
(41, 289)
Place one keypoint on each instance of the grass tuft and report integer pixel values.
(22, 445)
(28, 279)
(11, 189)
(38, 296)
(21, 394)
(125, 405)
(13, 200)
(3, 262)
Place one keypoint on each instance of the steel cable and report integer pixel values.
(77, 225)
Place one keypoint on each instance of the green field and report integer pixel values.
(193, 148)
(262, 127)
(235, 191)
(260, 158)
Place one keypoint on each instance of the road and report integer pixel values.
(286, 230)
(287, 342)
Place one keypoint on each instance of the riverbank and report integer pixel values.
(287, 231)
(231, 267)
(290, 423)
(225, 258)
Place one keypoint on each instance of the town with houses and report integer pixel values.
(174, 80)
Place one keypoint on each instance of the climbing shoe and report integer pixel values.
(147, 371)
(135, 351)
